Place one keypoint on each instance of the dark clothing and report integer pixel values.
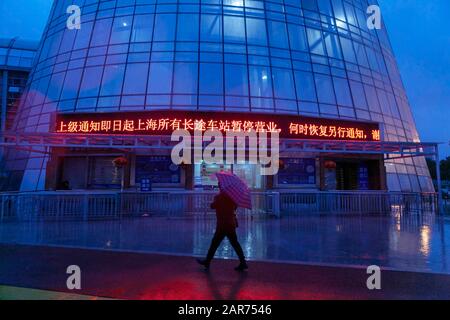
(226, 226)
(217, 239)
(225, 212)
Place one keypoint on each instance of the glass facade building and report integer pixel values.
(16, 58)
(310, 57)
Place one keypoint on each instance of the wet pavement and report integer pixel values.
(408, 242)
(124, 275)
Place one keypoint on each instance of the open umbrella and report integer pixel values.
(235, 188)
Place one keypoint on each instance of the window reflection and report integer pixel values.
(121, 30)
(100, 35)
(142, 28)
(260, 82)
(135, 78)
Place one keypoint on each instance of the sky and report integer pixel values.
(420, 37)
(419, 34)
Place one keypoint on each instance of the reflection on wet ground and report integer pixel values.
(408, 242)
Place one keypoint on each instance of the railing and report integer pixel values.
(69, 205)
(356, 202)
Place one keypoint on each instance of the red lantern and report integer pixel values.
(330, 164)
(120, 162)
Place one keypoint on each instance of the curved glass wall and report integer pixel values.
(310, 57)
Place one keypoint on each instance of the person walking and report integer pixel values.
(225, 227)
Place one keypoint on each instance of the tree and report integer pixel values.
(432, 168)
(445, 168)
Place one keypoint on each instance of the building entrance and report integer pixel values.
(353, 174)
(204, 174)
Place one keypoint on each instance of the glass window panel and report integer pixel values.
(256, 32)
(324, 87)
(392, 180)
(101, 32)
(297, 37)
(236, 79)
(236, 102)
(54, 88)
(347, 48)
(68, 40)
(112, 80)
(325, 7)
(54, 45)
(361, 54)
(211, 28)
(342, 90)
(286, 105)
(404, 182)
(262, 103)
(135, 78)
(310, 5)
(372, 59)
(315, 41)
(358, 95)
(45, 48)
(347, 112)
(124, 3)
(187, 29)
(234, 3)
(211, 78)
(328, 109)
(71, 84)
(260, 82)
(142, 28)
(121, 30)
(384, 103)
(351, 18)
(338, 10)
(185, 78)
(210, 102)
(283, 83)
(33, 91)
(332, 44)
(382, 65)
(90, 84)
(160, 77)
(414, 183)
(277, 34)
(234, 29)
(83, 36)
(372, 99)
(393, 105)
(165, 27)
(108, 102)
(305, 86)
(308, 107)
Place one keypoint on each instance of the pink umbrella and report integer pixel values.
(235, 188)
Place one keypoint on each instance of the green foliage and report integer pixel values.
(445, 168)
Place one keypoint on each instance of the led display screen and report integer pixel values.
(165, 122)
